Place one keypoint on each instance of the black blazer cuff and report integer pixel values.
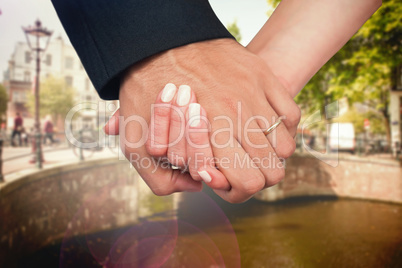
(112, 35)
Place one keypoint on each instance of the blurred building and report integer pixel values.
(396, 108)
(59, 60)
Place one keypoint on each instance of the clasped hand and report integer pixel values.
(208, 121)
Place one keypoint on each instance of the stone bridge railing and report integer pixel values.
(354, 177)
(39, 209)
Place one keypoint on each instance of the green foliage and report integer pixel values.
(351, 116)
(273, 3)
(234, 30)
(381, 35)
(373, 53)
(362, 70)
(3, 102)
(56, 98)
(357, 119)
(315, 95)
(376, 123)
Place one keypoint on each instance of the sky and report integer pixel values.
(249, 14)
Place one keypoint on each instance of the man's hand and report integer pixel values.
(241, 96)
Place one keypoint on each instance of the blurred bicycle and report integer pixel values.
(88, 141)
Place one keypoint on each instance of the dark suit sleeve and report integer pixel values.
(111, 35)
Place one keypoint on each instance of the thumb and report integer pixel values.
(112, 126)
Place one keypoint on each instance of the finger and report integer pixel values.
(176, 151)
(260, 148)
(279, 139)
(234, 163)
(158, 136)
(112, 126)
(156, 172)
(199, 152)
(243, 175)
(261, 151)
(283, 104)
(160, 177)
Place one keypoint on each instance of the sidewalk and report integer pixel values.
(16, 159)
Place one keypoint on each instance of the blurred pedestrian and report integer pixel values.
(48, 128)
(18, 125)
(311, 142)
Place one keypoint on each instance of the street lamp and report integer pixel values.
(38, 39)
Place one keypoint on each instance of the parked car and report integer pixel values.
(342, 137)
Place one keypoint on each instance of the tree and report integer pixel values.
(56, 98)
(273, 3)
(234, 30)
(351, 116)
(373, 54)
(3, 102)
(362, 71)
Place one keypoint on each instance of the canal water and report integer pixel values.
(200, 230)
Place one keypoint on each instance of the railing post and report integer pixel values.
(359, 146)
(39, 158)
(1, 161)
(81, 152)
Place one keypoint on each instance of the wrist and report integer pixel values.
(177, 65)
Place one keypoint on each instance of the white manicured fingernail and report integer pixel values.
(194, 112)
(184, 95)
(205, 176)
(168, 92)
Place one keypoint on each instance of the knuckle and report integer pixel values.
(199, 139)
(176, 158)
(162, 112)
(162, 191)
(177, 118)
(194, 174)
(253, 185)
(229, 104)
(294, 116)
(287, 149)
(155, 151)
(276, 176)
(177, 122)
(235, 200)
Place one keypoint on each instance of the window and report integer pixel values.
(69, 81)
(27, 76)
(23, 97)
(27, 57)
(69, 63)
(16, 96)
(49, 59)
